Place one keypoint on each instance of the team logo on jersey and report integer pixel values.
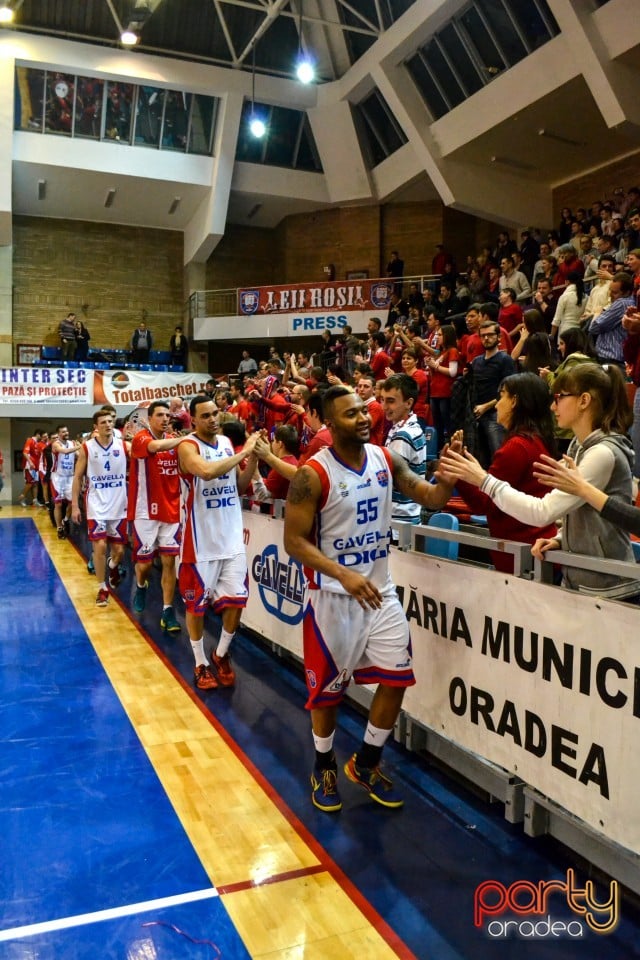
(120, 380)
(249, 300)
(381, 294)
(280, 584)
(383, 478)
(343, 488)
(312, 679)
(116, 453)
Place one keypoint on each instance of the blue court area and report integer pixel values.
(85, 826)
(419, 867)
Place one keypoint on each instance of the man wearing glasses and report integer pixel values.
(489, 370)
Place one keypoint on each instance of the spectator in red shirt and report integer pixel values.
(380, 359)
(510, 313)
(410, 367)
(321, 435)
(282, 459)
(366, 390)
(568, 261)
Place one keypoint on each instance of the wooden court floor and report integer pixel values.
(142, 819)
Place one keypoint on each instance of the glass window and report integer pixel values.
(442, 72)
(531, 22)
(431, 95)
(502, 27)
(460, 59)
(479, 36)
(119, 100)
(29, 99)
(88, 113)
(59, 106)
(176, 120)
(307, 157)
(149, 116)
(282, 138)
(203, 114)
(381, 135)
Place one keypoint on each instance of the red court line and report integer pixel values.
(274, 878)
(327, 864)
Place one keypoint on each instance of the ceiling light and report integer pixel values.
(258, 127)
(6, 14)
(560, 138)
(305, 71)
(174, 205)
(42, 189)
(110, 197)
(511, 162)
(128, 38)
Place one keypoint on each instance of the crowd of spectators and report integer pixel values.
(533, 309)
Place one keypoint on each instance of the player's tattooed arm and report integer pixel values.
(300, 487)
(432, 496)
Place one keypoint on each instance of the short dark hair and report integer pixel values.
(489, 310)
(196, 401)
(316, 404)
(235, 431)
(404, 383)
(287, 435)
(155, 404)
(379, 338)
(331, 395)
(375, 320)
(625, 280)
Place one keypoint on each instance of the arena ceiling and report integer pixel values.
(223, 32)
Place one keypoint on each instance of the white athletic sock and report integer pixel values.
(323, 744)
(198, 651)
(376, 736)
(224, 642)
(112, 565)
(166, 606)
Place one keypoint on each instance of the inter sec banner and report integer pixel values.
(316, 298)
(46, 385)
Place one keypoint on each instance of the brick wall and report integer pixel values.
(597, 184)
(59, 265)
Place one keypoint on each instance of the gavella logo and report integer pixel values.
(530, 903)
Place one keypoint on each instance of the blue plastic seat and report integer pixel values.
(635, 546)
(70, 363)
(442, 548)
(431, 438)
(51, 353)
(144, 366)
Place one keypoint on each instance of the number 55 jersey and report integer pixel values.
(353, 521)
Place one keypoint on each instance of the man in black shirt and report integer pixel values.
(489, 370)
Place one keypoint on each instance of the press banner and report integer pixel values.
(45, 385)
(135, 386)
(315, 298)
(541, 682)
(276, 325)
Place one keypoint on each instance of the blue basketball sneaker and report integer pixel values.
(324, 790)
(379, 787)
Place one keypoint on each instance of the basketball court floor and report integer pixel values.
(144, 820)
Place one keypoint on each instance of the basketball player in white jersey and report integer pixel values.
(213, 563)
(63, 451)
(337, 524)
(104, 460)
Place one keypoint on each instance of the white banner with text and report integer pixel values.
(542, 682)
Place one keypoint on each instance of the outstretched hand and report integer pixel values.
(462, 466)
(561, 474)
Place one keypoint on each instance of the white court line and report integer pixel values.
(64, 923)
